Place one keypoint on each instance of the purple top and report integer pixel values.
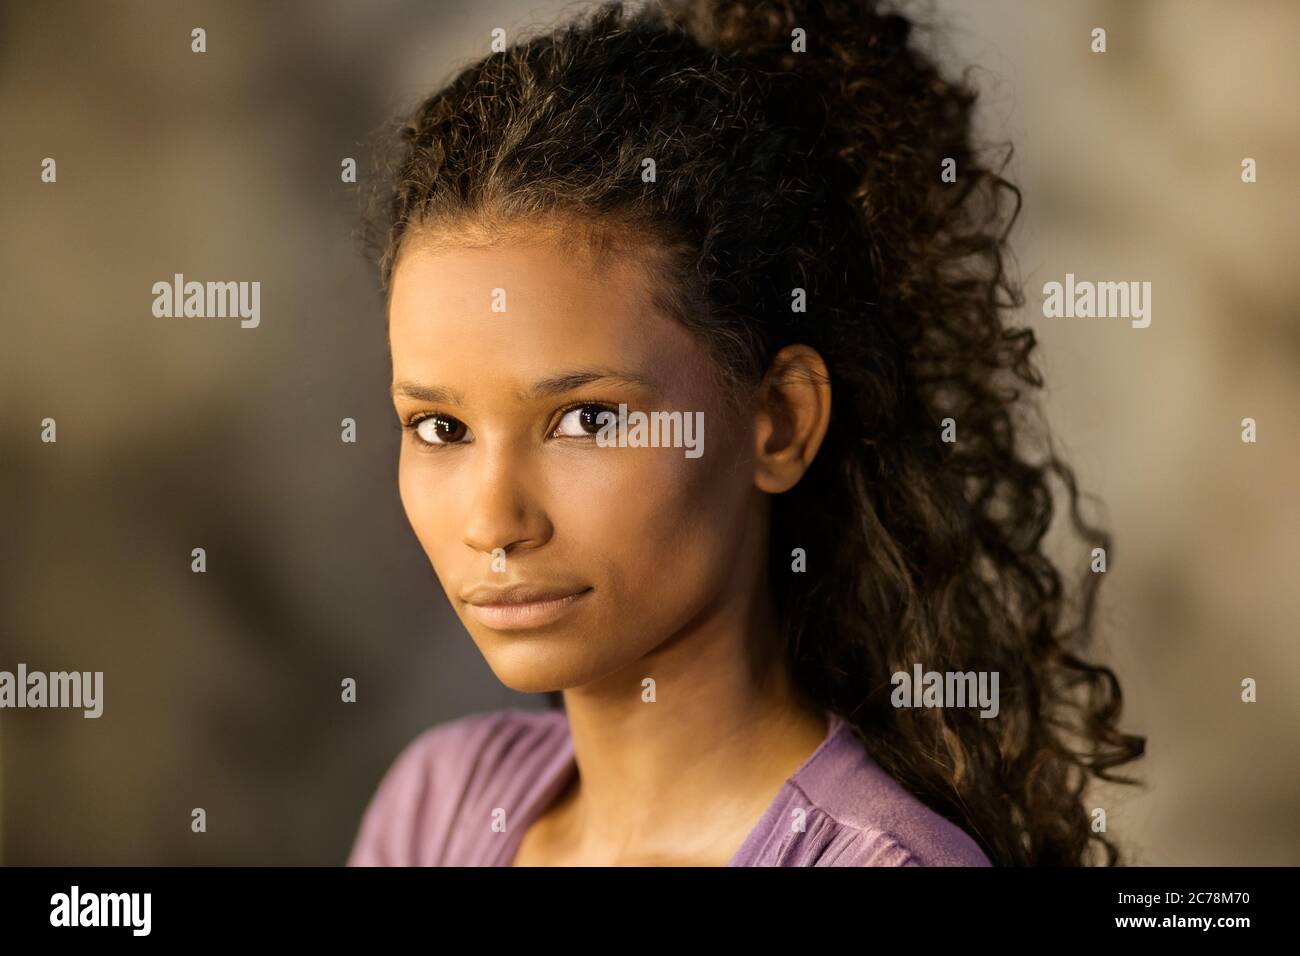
(435, 806)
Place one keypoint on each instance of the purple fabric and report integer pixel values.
(435, 805)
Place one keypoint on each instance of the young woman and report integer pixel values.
(732, 219)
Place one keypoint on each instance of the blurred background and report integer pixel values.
(222, 690)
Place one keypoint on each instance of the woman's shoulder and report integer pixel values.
(842, 809)
(500, 736)
(426, 806)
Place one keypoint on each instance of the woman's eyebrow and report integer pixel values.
(550, 386)
(577, 378)
(427, 393)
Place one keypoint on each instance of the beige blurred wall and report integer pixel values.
(222, 689)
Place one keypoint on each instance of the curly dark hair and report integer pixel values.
(818, 169)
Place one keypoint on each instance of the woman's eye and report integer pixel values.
(440, 430)
(582, 421)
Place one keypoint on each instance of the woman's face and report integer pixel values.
(503, 356)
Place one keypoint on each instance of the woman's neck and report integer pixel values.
(679, 759)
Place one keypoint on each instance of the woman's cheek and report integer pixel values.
(646, 509)
(425, 495)
(587, 498)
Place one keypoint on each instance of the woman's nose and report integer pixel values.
(506, 511)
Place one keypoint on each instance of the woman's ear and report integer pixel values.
(793, 411)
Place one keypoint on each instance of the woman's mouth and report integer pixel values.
(518, 607)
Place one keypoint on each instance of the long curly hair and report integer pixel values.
(799, 146)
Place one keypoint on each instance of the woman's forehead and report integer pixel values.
(511, 315)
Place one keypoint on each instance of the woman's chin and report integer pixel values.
(543, 664)
(530, 670)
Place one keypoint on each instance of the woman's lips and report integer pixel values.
(521, 611)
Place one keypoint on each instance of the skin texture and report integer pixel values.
(672, 549)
